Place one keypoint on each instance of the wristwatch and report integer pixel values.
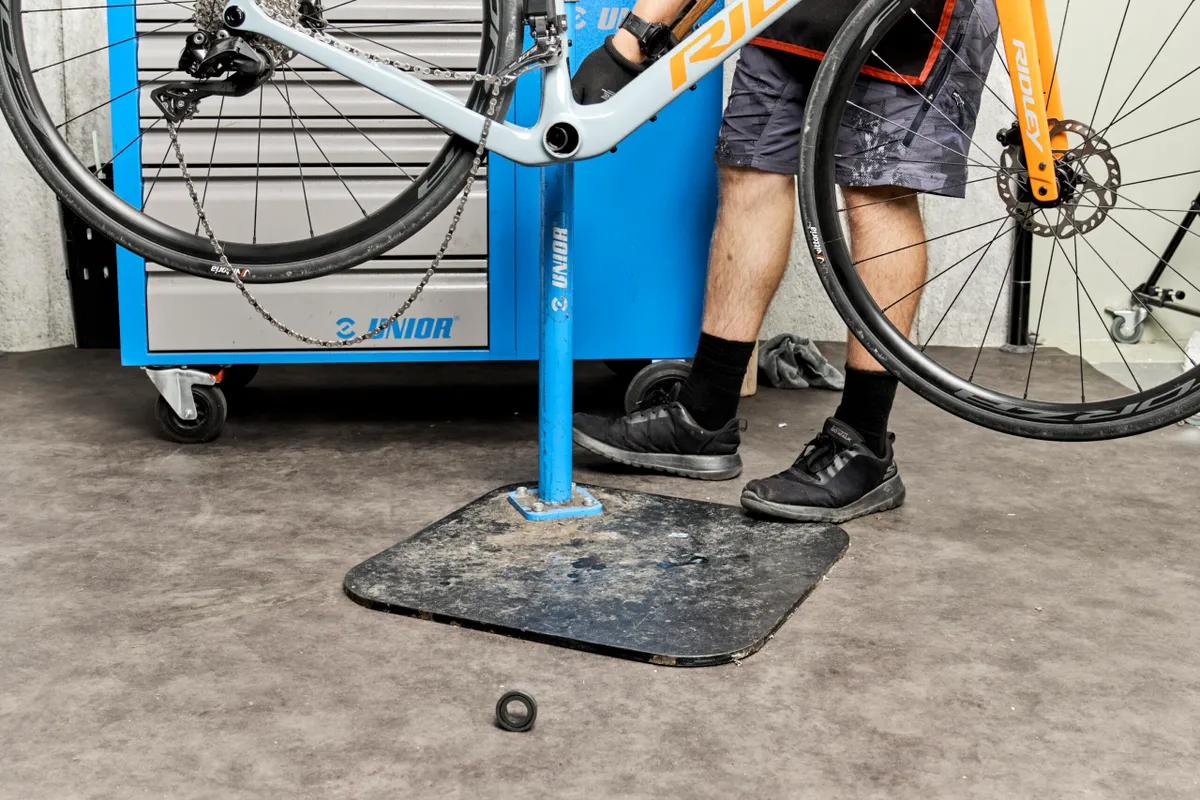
(654, 38)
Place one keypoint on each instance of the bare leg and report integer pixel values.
(749, 251)
(883, 228)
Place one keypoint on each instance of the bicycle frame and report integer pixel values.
(600, 127)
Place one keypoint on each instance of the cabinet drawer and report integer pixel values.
(185, 313)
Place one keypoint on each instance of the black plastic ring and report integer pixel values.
(514, 723)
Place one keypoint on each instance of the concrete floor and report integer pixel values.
(174, 625)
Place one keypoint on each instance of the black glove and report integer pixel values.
(602, 74)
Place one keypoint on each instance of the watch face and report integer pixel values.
(658, 41)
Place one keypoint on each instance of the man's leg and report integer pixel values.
(887, 238)
(848, 469)
(695, 434)
(749, 254)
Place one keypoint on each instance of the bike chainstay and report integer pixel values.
(208, 12)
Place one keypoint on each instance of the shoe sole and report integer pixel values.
(705, 468)
(888, 495)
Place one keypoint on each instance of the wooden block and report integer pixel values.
(750, 381)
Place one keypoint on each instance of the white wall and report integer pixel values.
(1084, 54)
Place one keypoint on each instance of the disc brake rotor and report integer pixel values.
(1089, 176)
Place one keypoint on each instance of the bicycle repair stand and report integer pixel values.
(641, 576)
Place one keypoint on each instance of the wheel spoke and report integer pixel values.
(188, 6)
(1153, 211)
(1156, 133)
(928, 281)
(351, 124)
(995, 46)
(927, 241)
(978, 77)
(991, 318)
(133, 38)
(1062, 33)
(1037, 331)
(1078, 319)
(211, 155)
(322, 152)
(926, 138)
(1162, 178)
(1140, 106)
(1112, 57)
(1157, 256)
(963, 288)
(938, 163)
(911, 194)
(131, 143)
(162, 162)
(934, 106)
(1132, 294)
(262, 93)
(299, 163)
(112, 100)
(1099, 316)
(1146, 71)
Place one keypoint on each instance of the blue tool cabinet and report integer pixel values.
(643, 220)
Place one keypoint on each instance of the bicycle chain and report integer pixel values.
(286, 12)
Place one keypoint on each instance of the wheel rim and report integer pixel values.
(961, 388)
(324, 246)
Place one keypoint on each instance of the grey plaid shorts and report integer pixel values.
(899, 138)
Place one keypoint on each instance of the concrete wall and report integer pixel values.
(34, 305)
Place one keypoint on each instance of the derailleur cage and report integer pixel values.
(206, 56)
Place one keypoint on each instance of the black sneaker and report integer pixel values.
(665, 438)
(837, 478)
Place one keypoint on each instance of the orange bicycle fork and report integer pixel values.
(1028, 45)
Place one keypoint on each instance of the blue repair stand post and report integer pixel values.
(661, 579)
(556, 495)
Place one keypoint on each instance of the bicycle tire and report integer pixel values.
(1129, 415)
(324, 254)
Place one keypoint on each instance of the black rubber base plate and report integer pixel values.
(653, 578)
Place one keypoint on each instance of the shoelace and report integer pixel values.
(659, 397)
(817, 454)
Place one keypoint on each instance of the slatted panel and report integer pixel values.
(354, 147)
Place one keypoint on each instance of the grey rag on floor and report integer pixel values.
(794, 362)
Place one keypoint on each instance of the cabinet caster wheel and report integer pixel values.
(652, 383)
(1124, 335)
(211, 410)
(238, 376)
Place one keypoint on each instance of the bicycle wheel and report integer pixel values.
(379, 173)
(1130, 94)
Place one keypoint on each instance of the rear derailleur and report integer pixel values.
(207, 57)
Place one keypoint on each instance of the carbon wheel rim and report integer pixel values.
(430, 189)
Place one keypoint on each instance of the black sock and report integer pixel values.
(712, 391)
(867, 404)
